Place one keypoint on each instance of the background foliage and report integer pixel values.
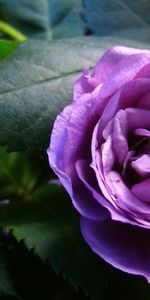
(42, 253)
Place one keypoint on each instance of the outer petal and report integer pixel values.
(82, 86)
(87, 176)
(125, 71)
(103, 69)
(124, 246)
(111, 59)
(73, 126)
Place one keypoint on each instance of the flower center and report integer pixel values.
(137, 164)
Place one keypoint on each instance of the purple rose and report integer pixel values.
(100, 150)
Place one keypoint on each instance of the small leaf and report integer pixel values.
(125, 18)
(6, 48)
(65, 18)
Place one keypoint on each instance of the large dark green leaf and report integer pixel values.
(125, 18)
(49, 224)
(31, 17)
(65, 18)
(36, 82)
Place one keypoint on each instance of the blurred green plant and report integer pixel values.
(12, 32)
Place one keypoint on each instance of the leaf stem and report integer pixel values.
(13, 32)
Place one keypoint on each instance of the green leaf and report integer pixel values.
(35, 279)
(50, 225)
(36, 82)
(6, 48)
(30, 17)
(65, 18)
(6, 285)
(125, 18)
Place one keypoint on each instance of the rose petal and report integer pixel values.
(125, 198)
(87, 176)
(82, 86)
(138, 117)
(144, 72)
(144, 102)
(142, 165)
(119, 141)
(125, 71)
(106, 150)
(142, 132)
(110, 60)
(142, 190)
(97, 163)
(124, 246)
(104, 67)
(117, 128)
(82, 199)
(85, 203)
(71, 127)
